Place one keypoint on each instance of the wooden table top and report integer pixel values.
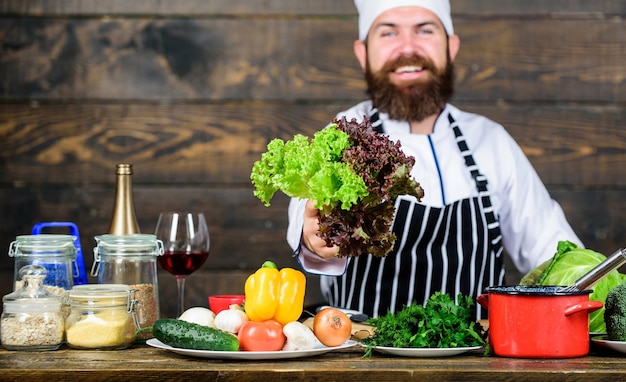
(145, 363)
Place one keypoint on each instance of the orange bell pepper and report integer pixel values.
(273, 294)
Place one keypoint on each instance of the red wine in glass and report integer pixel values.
(182, 262)
(186, 245)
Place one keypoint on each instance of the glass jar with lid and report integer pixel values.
(32, 319)
(56, 253)
(102, 317)
(131, 260)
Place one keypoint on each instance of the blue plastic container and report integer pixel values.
(80, 277)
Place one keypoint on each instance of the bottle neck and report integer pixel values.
(124, 220)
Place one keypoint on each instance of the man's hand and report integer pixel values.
(310, 230)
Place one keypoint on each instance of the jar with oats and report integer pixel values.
(32, 319)
(102, 317)
(131, 260)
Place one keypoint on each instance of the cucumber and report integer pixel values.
(187, 335)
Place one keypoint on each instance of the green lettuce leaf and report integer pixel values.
(309, 170)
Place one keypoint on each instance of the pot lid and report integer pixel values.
(534, 290)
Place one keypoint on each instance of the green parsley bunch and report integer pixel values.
(440, 323)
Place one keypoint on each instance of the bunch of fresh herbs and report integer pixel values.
(440, 323)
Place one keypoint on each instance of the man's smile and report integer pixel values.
(408, 69)
(408, 72)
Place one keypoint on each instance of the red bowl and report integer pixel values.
(218, 303)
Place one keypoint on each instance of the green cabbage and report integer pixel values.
(568, 264)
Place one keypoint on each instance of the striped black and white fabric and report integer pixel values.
(453, 249)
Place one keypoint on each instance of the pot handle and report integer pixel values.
(589, 306)
(483, 300)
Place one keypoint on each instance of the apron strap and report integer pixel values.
(377, 124)
(481, 181)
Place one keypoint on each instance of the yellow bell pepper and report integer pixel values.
(274, 294)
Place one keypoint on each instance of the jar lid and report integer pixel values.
(99, 290)
(133, 244)
(43, 245)
(100, 295)
(32, 296)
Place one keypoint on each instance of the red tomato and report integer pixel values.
(261, 336)
(332, 327)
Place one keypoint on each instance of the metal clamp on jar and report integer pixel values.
(102, 317)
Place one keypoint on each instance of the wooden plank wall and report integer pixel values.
(191, 91)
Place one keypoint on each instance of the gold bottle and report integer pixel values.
(124, 221)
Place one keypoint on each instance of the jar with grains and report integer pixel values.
(131, 260)
(31, 318)
(56, 253)
(102, 317)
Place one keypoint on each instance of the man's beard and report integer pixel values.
(413, 101)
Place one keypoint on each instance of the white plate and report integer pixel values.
(249, 355)
(424, 352)
(603, 341)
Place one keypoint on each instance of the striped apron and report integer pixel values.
(453, 249)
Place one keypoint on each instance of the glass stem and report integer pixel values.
(180, 282)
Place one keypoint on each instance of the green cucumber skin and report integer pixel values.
(187, 335)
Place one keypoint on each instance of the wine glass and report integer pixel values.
(186, 245)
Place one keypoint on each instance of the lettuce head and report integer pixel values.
(568, 264)
(352, 173)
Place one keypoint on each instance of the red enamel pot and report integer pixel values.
(538, 321)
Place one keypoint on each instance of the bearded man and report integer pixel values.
(483, 199)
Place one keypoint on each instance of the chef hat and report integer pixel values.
(370, 9)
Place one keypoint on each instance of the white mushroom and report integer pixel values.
(299, 336)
